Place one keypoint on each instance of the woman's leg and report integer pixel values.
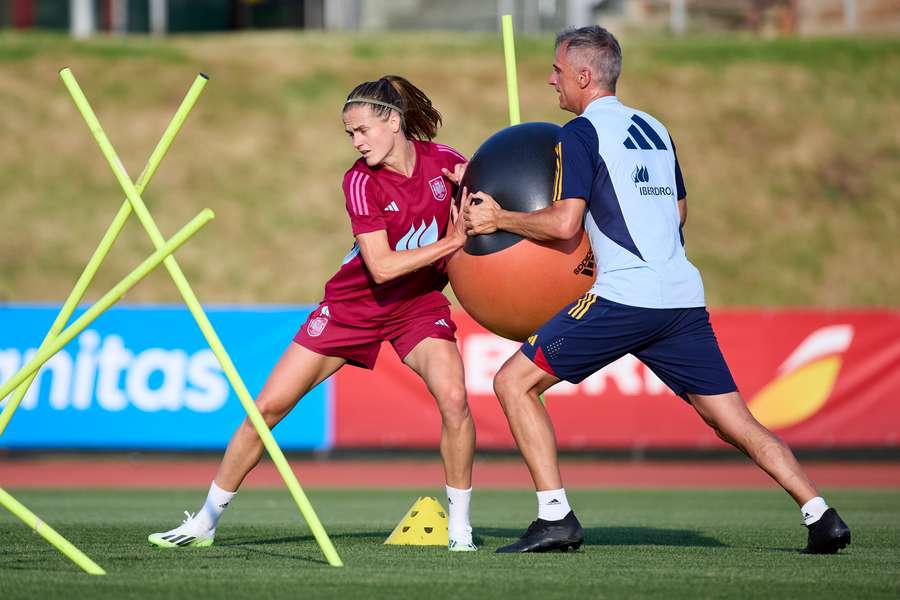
(297, 371)
(438, 363)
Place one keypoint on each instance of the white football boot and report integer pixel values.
(455, 546)
(190, 533)
(461, 542)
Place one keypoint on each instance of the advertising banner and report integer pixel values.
(143, 377)
(818, 378)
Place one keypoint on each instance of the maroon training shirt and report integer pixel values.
(414, 211)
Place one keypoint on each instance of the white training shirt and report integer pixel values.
(622, 162)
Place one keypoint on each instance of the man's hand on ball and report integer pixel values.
(481, 214)
(459, 170)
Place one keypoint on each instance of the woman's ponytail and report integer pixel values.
(418, 117)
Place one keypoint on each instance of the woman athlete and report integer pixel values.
(399, 197)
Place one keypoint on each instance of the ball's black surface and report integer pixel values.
(508, 284)
(517, 167)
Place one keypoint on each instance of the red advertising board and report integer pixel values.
(818, 378)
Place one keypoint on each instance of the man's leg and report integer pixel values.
(438, 363)
(518, 386)
(729, 416)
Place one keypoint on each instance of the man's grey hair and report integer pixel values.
(601, 50)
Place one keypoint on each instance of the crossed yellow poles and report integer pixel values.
(59, 335)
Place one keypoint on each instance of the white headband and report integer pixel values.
(373, 101)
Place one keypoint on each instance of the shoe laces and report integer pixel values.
(531, 528)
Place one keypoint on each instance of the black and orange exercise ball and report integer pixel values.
(509, 284)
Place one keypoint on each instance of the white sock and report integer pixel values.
(552, 504)
(813, 510)
(458, 506)
(216, 503)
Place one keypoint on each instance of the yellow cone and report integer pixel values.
(425, 524)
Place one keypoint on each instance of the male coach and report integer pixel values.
(619, 176)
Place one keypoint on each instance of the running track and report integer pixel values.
(501, 473)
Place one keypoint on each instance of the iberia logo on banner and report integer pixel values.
(818, 378)
(805, 380)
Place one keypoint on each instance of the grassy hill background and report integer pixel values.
(790, 150)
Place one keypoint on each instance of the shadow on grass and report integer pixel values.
(252, 549)
(799, 550)
(45, 564)
(593, 536)
(622, 536)
(250, 544)
(299, 539)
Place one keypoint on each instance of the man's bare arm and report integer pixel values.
(560, 221)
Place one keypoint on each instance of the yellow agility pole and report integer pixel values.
(193, 304)
(49, 534)
(512, 82)
(54, 346)
(109, 238)
(108, 299)
(509, 55)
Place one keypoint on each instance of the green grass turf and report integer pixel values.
(671, 543)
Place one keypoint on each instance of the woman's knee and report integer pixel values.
(272, 411)
(453, 406)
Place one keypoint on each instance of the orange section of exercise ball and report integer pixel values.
(514, 291)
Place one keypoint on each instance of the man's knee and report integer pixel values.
(506, 386)
(726, 414)
(715, 425)
(519, 380)
(741, 429)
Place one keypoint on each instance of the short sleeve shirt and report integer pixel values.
(622, 162)
(414, 212)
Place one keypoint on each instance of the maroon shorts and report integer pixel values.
(360, 345)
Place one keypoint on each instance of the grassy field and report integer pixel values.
(676, 544)
(789, 149)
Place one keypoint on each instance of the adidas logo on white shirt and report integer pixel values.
(392, 207)
(442, 322)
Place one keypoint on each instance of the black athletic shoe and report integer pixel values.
(544, 536)
(827, 535)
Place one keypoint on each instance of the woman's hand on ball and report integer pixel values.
(457, 228)
(481, 217)
(459, 170)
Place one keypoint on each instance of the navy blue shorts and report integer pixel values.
(677, 344)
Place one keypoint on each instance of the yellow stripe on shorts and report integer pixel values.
(575, 308)
(581, 308)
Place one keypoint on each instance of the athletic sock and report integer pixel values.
(458, 519)
(216, 503)
(552, 504)
(813, 510)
